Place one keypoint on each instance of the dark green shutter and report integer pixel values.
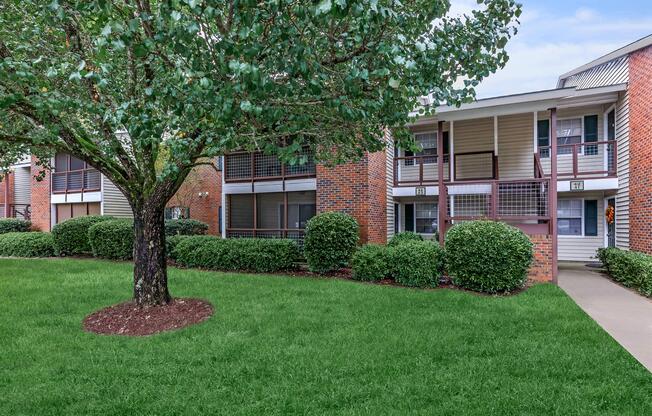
(590, 218)
(543, 137)
(409, 217)
(447, 143)
(591, 134)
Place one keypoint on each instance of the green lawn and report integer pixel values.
(280, 345)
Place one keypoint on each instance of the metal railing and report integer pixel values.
(22, 211)
(292, 234)
(583, 160)
(257, 166)
(524, 203)
(81, 180)
(418, 170)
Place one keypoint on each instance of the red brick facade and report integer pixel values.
(640, 150)
(358, 189)
(41, 208)
(202, 193)
(541, 269)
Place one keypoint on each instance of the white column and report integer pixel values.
(535, 131)
(451, 151)
(496, 135)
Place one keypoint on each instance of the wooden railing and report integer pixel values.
(538, 169)
(583, 160)
(418, 170)
(257, 166)
(81, 180)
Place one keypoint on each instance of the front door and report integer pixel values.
(610, 218)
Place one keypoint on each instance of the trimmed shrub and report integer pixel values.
(488, 256)
(171, 243)
(14, 225)
(239, 254)
(416, 263)
(30, 244)
(331, 239)
(370, 263)
(112, 239)
(404, 236)
(630, 268)
(185, 227)
(71, 236)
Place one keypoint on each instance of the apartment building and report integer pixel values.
(569, 166)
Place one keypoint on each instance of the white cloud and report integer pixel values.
(549, 44)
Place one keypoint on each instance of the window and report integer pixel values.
(543, 137)
(426, 218)
(176, 213)
(428, 143)
(569, 131)
(569, 217)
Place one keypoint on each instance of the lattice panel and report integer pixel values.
(238, 166)
(523, 199)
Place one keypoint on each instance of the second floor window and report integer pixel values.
(73, 175)
(428, 144)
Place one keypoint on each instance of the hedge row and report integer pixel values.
(71, 236)
(247, 254)
(14, 225)
(113, 239)
(410, 263)
(630, 268)
(484, 256)
(26, 244)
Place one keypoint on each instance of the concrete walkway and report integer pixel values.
(625, 315)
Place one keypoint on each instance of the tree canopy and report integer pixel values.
(143, 90)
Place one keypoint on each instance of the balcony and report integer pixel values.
(21, 211)
(523, 203)
(81, 180)
(257, 166)
(590, 160)
(422, 170)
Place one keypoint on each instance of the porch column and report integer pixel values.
(441, 199)
(7, 190)
(553, 190)
(451, 150)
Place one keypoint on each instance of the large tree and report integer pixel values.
(143, 90)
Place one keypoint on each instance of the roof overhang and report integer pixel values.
(526, 103)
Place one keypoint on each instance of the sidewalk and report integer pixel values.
(625, 315)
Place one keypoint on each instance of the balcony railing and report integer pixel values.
(418, 170)
(22, 211)
(524, 203)
(293, 234)
(257, 166)
(82, 180)
(582, 160)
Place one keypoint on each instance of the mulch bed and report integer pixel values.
(129, 319)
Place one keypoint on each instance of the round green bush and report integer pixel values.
(331, 239)
(14, 225)
(370, 263)
(112, 239)
(30, 244)
(416, 263)
(488, 256)
(403, 237)
(71, 236)
(185, 227)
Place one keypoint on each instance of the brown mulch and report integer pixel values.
(130, 319)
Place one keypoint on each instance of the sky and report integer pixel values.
(556, 36)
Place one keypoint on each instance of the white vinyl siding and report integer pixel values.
(389, 172)
(583, 248)
(515, 146)
(114, 202)
(23, 186)
(475, 135)
(622, 196)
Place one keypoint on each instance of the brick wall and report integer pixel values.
(541, 269)
(640, 150)
(203, 179)
(357, 189)
(41, 212)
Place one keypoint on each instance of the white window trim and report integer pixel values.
(415, 216)
(582, 219)
(605, 131)
(414, 135)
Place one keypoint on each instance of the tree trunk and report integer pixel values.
(150, 262)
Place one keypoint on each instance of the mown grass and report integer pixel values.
(282, 345)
